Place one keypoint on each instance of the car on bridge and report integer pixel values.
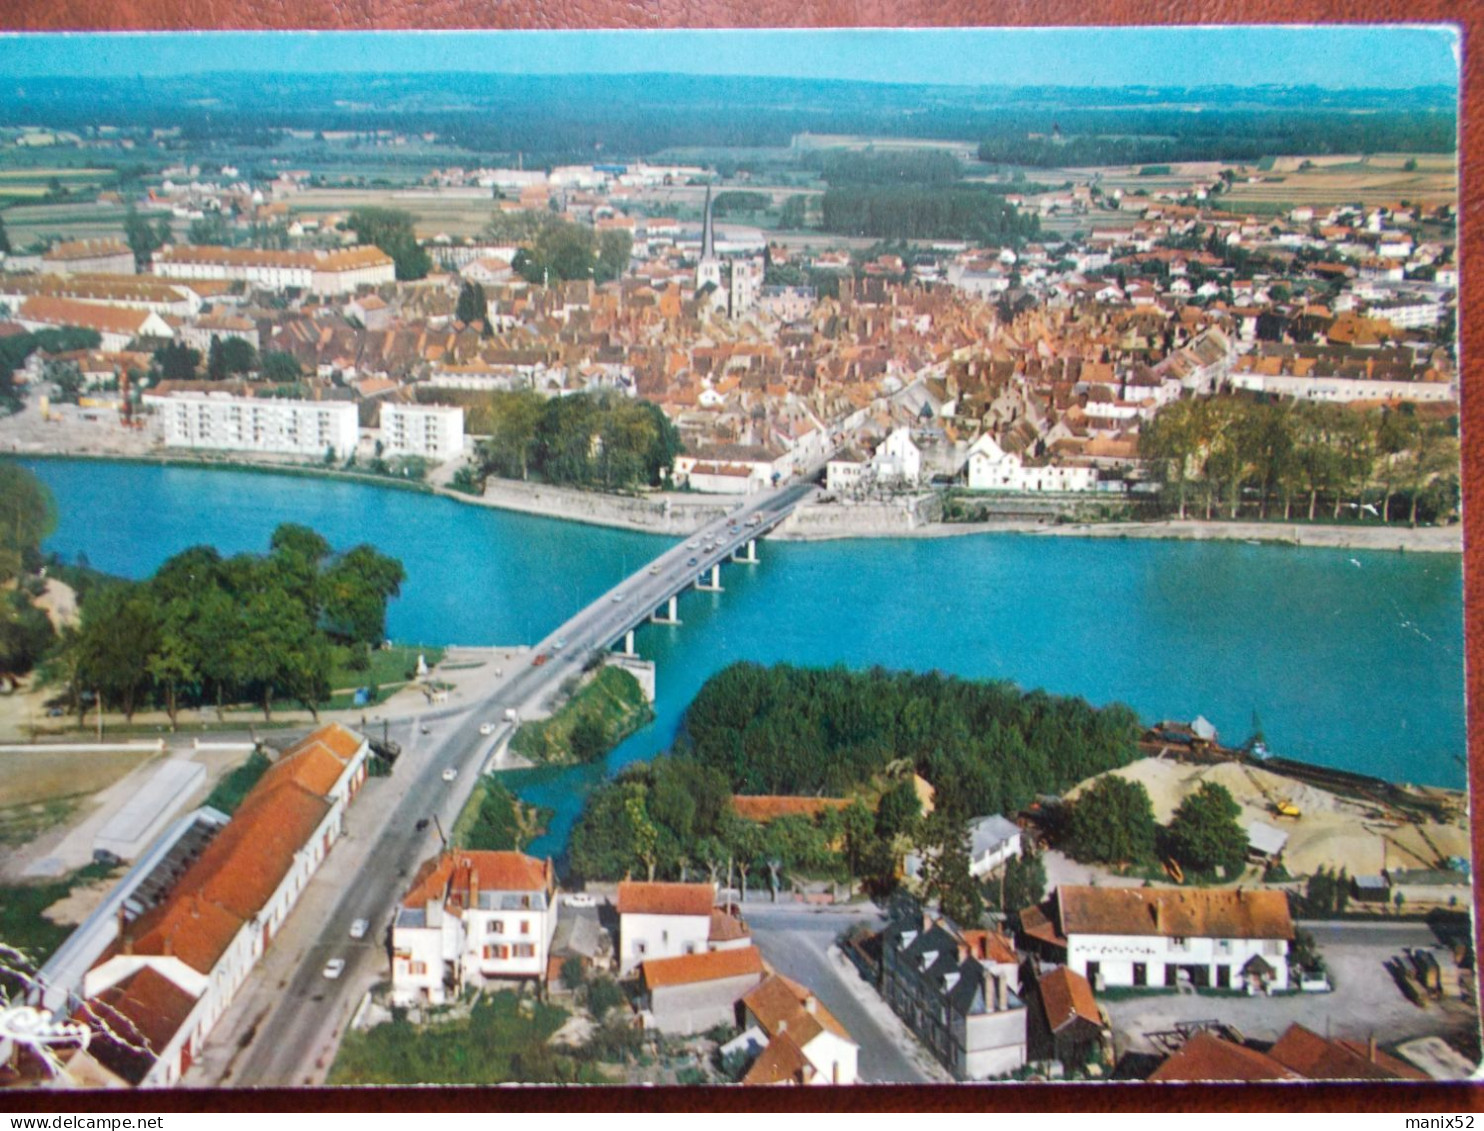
(655, 568)
(540, 659)
(692, 561)
(486, 728)
(450, 773)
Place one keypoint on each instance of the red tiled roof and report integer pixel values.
(87, 249)
(451, 876)
(1184, 913)
(782, 1005)
(89, 315)
(1315, 1058)
(708, 966)
(1066, 996)
(782, 1062)
(142, 1012)
(726, 927)
(1208, 1057)
(770, 807)
(665, 899)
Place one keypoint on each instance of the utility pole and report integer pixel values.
(98, 698)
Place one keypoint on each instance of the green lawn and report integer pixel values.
(391, 665)
(24, 928)
(503, 1040)
(230, 791)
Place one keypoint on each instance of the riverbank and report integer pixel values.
(681, 513)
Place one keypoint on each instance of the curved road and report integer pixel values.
(291, 1036)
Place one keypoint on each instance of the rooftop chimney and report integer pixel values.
(999, 993)
(1370, 1048)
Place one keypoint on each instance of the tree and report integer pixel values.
(614, 249)
(216, 364)
(5, 248)
(1113, 822)
(945, 874)
(66, 377)
(238, 355)
(1204, 834)
(898, 811)
(172, 663)
(280, 367)
(177, 362)
(472, 306)
(1023, 883)
(794, 212)
(392, 231)
(28, 515)
(356, 589)
(118, 634)
(210, 230)
(142, 239)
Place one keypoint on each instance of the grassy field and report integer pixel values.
(22, 924)
(39, 775)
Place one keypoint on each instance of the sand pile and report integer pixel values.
(1331, 831)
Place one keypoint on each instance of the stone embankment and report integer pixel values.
(669, 513)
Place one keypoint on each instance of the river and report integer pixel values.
(1350, 658)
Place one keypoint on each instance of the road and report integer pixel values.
(797, 943)
(284, 1040)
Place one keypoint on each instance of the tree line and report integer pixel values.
(1232, 454)
(965, 212)
(987, 747)
(859, 737)
(211, 630)
(598, 440)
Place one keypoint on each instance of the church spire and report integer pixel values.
(708, 236)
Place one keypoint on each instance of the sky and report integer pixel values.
(1335, 57)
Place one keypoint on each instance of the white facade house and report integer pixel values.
(432, 431)
(89, 257)
(898, 459)
(671, 920)
(1343, 390)
(225, 422)
(1152, 937)
(471, 918)
(801, 1042)
(991, 468)
(117, 326)
(992, 841)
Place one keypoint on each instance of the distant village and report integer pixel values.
(1027, 368)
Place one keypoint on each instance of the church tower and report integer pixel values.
(708, 270)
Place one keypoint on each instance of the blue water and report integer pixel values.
(1352, 665)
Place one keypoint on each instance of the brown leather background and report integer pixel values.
(61, 15)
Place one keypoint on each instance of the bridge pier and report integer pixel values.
(715, 586)
(672, 616)
(750, 557)
(628, 644)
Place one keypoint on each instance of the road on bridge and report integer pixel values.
(292, 1036)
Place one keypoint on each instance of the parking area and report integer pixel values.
(1365, 1001)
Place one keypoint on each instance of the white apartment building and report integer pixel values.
(471, 918)
(336, 272)
(433, 432)
(225, 422)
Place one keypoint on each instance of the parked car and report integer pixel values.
(422, 823)
(359, 928)
(334, 968)
(450, 773)
(580, 899)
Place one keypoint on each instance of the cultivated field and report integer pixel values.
(39, 775)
